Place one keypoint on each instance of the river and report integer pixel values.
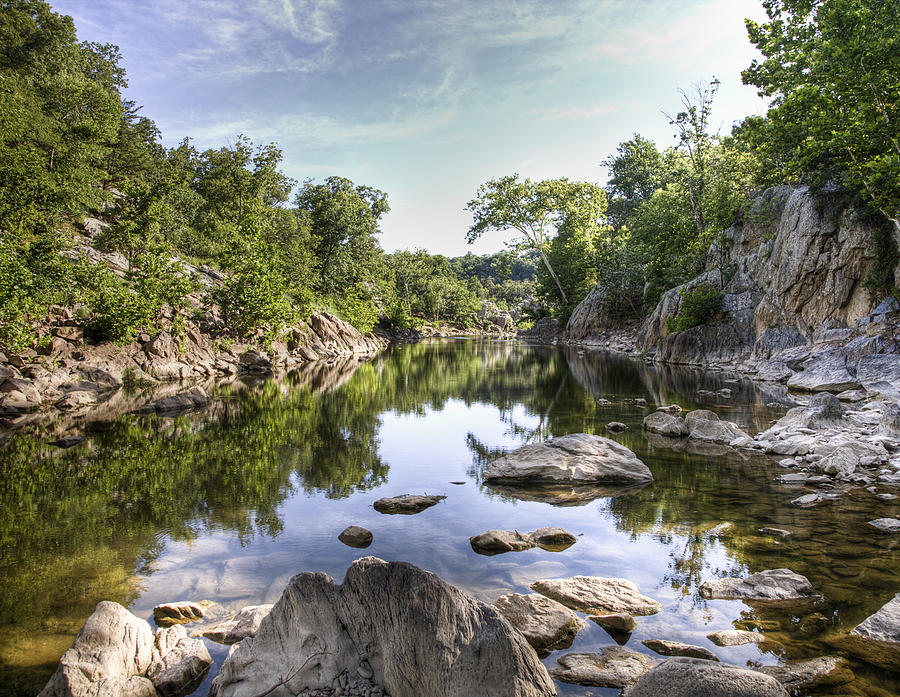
(228, 503)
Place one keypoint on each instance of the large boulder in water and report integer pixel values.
(403, 628)
(578, 458)
(696, 677)
(666, 424)
(707, 426)
(876, 639)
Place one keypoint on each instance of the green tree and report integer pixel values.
(636, 170)
(832, 69)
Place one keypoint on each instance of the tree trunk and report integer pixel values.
(552, 273)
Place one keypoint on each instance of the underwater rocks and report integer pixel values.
(612, 666)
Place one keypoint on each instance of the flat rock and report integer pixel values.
(612, 666)
(773, 584)
(676, 648)
(735, 637)
(245, 623)
(615, 621)
(407, 504)
(411, 632)
(825, 671)
(597, 595)
(891, 525)
(355, 536)
(577, 458)
(493, 542)
(545, 623)
(876, 639)
(826, 374)
(665, 424)
(694, 677)
(706, 425)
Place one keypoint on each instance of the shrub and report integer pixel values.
(698, 306)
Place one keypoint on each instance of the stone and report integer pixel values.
(891, 525)
(851, 395)
(874, 369)
(67, 441)
(180, 612)
(665, 424)
(706, 425)
(616, 427)
(889, 424)
(695, 677)
(545, 623)
(494, 542)
(825, 671)
(670, 409)
(823, 411)
(597, 595)
(676, 648)
(876, 639)
(577, 458)
(76, 400)
(773, 371)
(612, 666)
(194, 398)
(779, 532)
(826, 374)
(773, 584)
(419, 635)
(255, 362)
(809, 500)
(615, 621)
(406, 504)
(355, 536)
(245, 623)
(735, 637)
(24, 387)
(179, 663)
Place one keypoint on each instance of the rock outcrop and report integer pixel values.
(410, 632)
(876, 639)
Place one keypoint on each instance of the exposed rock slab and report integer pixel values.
(665, 647)
(355, 536)
(825, 671)
(827, 374)
(545, 623)
(773, 584)
(577, 458)
(407, 504)
(666, 424)
(493, 542)
(244, 624)
(417, 634)
(612, 666)
(695, 677)
(597, 595)
(876, 639)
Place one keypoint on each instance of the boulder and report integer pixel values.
(876, 639)
(76, 399)
(194, 398)
(825, 374)
(615, 622)
(545, 623)
(612, 666)
(179, 663)
(616, 427)
(355, 536)
(597, 595)
(402, 628)
(695, 677)
(577, 458)
(407, 504)
(773, 584)
(891, 525)
(876, 368)
(179, 612)
(735, 637)
(237, 628)
(823, 411)
(889, 425)
(665, 424)
(705, 425)
(676, 648)
(815, 674)
(494, 542)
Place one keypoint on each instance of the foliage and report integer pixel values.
(698, 306)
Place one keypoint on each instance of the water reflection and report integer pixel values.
(228, 503)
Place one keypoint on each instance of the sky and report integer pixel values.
(426, 99)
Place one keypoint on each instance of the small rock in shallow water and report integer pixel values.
(886, 524)
(545, 623)
(612, 666)
(695, 677)
(735, 637)
(407, 504)
(355, 536)
(676, 648)
(826, 671)
(179, 612)
(616, 427)
(773, 584)
(597, 595)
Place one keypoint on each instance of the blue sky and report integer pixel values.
(426, 99)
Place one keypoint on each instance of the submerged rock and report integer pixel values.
(545, 623)
(825, 671)
(596, 595)
(695, 677)
(707, 426)
(382, 622)
(676, 648)
(773, 584)
(493, 542)
(578, 458)
(407, 504)
(179, 612)
(612, 666)
(886, 524)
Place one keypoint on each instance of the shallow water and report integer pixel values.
(229, 503)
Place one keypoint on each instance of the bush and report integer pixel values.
(358, 308)
(698, 306)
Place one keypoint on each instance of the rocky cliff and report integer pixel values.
(794, 271)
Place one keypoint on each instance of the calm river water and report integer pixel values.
(229, 503)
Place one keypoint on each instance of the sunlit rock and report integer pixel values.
(695, 677)
(596, 595)
(545, 623)
(676, 648)
(612, 666)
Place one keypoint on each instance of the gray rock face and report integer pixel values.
(244, 624)
(825, 671)
(419, 636)
(597, 595)
(828, 374)
(891, 525)
(876, 639)
(117, 654)
(577, 458)
(407, 504)
(773, 584)
(694, 677)
(545, 623)
(494, 542)
(612, 666)
(676, 648)
(665, 424)
(875, 369)
(355, 536)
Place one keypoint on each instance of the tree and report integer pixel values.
(832, 69)
(635, 172)
(535, 210)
